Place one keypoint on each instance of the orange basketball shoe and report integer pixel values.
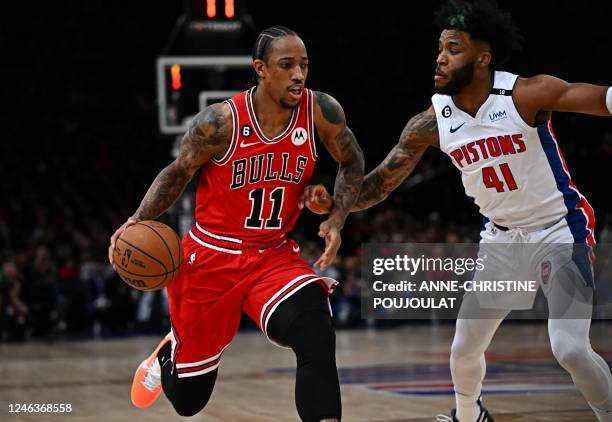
(146, 386)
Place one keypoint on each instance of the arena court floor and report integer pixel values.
(398, 375)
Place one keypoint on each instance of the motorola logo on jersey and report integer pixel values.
(446, 111)
(299, 136)
(493, 146)
(268, 167)
(498, 115)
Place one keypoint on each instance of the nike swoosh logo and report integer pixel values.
(244, 145)
(453, 130)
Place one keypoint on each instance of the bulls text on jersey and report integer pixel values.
(265, 167)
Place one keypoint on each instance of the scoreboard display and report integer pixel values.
(212, 10)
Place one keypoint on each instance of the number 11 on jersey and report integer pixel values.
(257, 196)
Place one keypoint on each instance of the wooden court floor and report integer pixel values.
(387, 375)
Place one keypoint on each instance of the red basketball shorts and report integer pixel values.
(220, 278)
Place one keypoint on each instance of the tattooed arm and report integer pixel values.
(420, 133)
(209, 135)
(341, 143)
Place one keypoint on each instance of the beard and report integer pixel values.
(460, 79)
(287, 105)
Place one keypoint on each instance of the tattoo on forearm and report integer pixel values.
(164, 191)
(420, 132)
(209, 133)
(350, 175)
(342, 145)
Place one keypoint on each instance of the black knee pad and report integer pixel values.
(310, 302)
(303, 322)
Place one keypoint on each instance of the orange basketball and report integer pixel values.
(148, 255)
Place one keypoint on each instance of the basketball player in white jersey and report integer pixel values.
(496, 129)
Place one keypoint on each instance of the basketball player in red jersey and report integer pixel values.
(496, 128)
(257, 152)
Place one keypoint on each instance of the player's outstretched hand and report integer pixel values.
(316, 199)
(331, 232)
(130, 222)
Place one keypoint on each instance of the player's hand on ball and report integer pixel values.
(330, 230)
(113, 240)
(316, 199)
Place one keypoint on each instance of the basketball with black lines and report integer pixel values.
(148, 255)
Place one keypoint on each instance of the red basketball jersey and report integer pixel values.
(252, 192)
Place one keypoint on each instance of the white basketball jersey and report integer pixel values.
(514, 172)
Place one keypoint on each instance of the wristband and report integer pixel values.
(609, 100)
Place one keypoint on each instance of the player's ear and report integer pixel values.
(484, 59)
(259, 66)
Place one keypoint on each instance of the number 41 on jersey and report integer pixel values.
(492, 180)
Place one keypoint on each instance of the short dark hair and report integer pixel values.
(264, 41)
(484, 21)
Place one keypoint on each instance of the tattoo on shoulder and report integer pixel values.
(421, 129)
(208, 125)
(209, 130)
(330, 108)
